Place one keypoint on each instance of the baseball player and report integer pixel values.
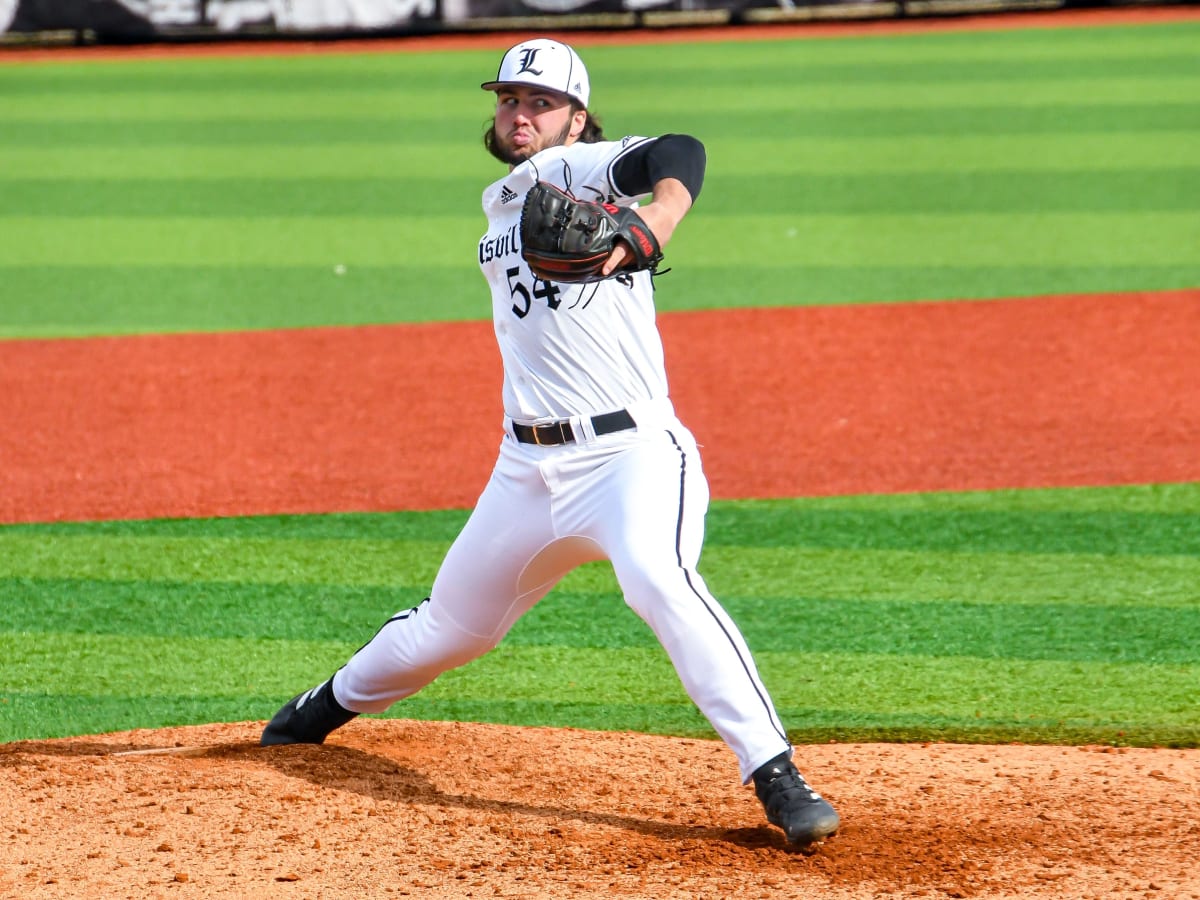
(593, 463)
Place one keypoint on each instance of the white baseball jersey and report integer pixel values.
(636, 497)
(568, 348)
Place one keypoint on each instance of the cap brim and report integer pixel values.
(496, 85)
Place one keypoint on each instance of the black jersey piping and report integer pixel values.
(687, 576)
(398, 617)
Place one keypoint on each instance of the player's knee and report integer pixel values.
(648, 592)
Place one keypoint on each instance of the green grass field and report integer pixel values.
(203, 194)
(220, 195)
(1058, 615)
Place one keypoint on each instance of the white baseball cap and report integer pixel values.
(544, 63)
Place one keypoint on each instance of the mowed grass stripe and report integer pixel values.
(1062, 631)
(876, 575)
(462, 134)
(154, 299)
(849, 61)
(939, 529)
(213, 609)
(362, 562)
(1011, 191)
(448, 241)
(806, 157)
(955, 576)
(206, 163)
(950, 192)
(218, 610)
(862, 691)
(769, 97)
(774, 241)
(912, 685)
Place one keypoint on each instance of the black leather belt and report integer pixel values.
(554, 433)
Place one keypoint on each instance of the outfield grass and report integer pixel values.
(1057, 615)
(180, 195)
(210, 194)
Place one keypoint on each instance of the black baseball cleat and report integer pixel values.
(804, 815)
(307, 718)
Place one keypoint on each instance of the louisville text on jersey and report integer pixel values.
(501, 245)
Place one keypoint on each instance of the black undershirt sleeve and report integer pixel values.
(670, 156)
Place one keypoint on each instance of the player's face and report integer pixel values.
(529, 119)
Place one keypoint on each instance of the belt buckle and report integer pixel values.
(560, 430)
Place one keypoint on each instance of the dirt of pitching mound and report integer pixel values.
(403, 808)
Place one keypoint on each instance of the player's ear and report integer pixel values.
(578, 122)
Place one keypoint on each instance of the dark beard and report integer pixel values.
(513, 156)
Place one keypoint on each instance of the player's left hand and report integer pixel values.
(668, 206)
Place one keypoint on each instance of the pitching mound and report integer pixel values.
(400, 808)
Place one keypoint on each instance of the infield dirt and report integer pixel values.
(787, 402)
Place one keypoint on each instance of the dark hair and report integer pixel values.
(593, 132)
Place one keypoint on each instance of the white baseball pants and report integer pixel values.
(636, 498)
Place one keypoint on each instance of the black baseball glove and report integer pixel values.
(568, 240)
